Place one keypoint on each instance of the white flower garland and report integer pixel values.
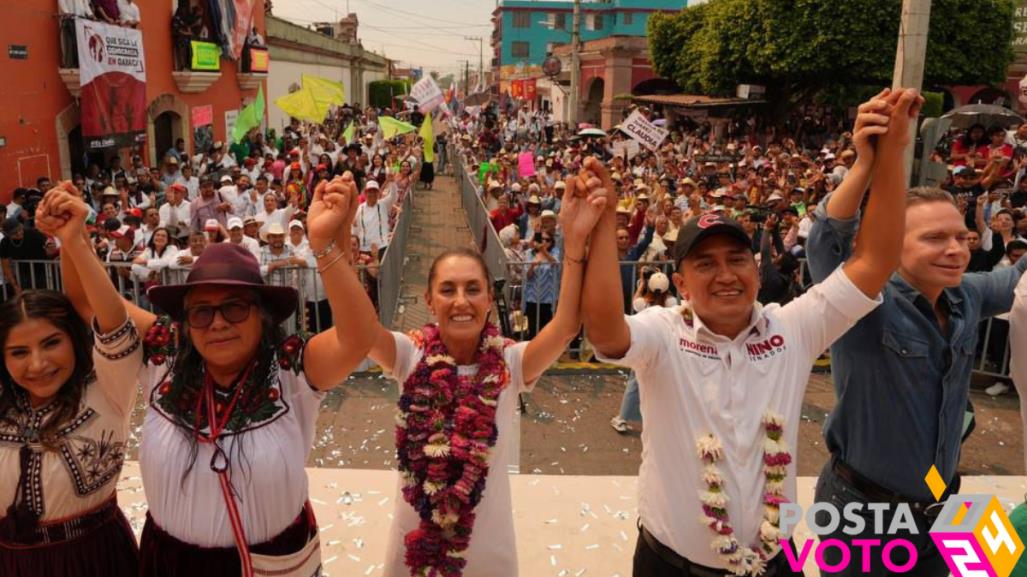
(742, 560)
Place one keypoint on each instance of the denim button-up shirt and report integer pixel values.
(901, 382)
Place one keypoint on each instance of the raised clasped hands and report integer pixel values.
(585, 198)
(331, 212)
(62, 213)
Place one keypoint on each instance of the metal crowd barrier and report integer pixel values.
(485, 235)
(390, 275)
(313, 313)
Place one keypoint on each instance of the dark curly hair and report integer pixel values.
(56, 309)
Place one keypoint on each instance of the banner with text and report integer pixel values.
(427, 94)
(112, 72)
(206, 56)
(639, 128)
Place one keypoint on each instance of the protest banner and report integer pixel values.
(626, 148)
(648, 135)
(112, 73)
(526, 164)
(206, 56)
(203, 127)
(427, 94)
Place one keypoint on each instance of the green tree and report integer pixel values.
(803, 49)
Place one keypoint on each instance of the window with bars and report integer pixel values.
(522, 20)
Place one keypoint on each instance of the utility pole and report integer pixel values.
(910, 56)
(467, 78)
(481, 56)
(575, 66)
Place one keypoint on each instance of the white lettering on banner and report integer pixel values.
(427, 94)
(639, 128)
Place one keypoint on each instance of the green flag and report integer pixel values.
(350, 132)
(429, 139)
(392, 127)
(249, 118)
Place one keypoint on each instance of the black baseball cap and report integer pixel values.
(699, 228)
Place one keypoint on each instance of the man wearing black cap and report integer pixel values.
(722, 378)
(20, 244)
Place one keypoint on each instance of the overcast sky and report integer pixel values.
(428, 33)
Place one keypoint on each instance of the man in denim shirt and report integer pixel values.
(902, 374)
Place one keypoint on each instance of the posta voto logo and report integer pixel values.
(973, 533)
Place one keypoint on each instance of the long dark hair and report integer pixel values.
(969, 142)
(189, 367)
(56, 309)
(153, 248)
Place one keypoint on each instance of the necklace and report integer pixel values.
(743, 560)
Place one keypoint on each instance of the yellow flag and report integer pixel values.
(301, 104)
(429, 139)
(326, 92)
(350, 132)
(392, 127)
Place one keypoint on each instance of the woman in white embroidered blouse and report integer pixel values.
(457, 372)
(65, 405)
(229, 394)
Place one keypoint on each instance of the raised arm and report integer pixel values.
(75, 287)
(605, 325)
(64, 214)
(871, 120)
(334, 353)
(581, 209)
(1018, 343)
(878, 246)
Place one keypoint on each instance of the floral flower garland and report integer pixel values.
(742, 560)
(160, 341)
(445, 431)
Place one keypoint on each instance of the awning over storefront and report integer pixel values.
(694, 100)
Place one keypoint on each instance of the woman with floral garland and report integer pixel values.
(233, 403)
(459, 385)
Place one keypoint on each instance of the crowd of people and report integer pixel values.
(151, 223)
(725, 330)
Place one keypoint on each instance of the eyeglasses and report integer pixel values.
(233, 311)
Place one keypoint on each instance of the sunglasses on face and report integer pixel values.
(233, 311)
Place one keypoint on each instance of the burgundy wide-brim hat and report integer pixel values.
(231, 265)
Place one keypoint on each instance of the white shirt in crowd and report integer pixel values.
(249, 243)
(192, 184)
(80, 8)
(371, 224)
(280, 215)
(693, 383)
(174, 215)
(241, 202)
(129, 12)
(154, 262)
(493, 550)
(1018, 342)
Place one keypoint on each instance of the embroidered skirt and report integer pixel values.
(162, 555)
(106, 549)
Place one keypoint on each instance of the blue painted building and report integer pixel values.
(524, 31)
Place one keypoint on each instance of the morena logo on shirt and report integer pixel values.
(699, 349)
(766, 349)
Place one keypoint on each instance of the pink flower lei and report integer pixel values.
(739, 559)
(445, 431)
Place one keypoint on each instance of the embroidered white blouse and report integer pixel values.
(268, 453)
(493, 548)
(81, 472)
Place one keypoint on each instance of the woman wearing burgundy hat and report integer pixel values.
(233, 403)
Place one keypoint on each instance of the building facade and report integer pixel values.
(525, 32)
(295, 50)
(41, 128)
